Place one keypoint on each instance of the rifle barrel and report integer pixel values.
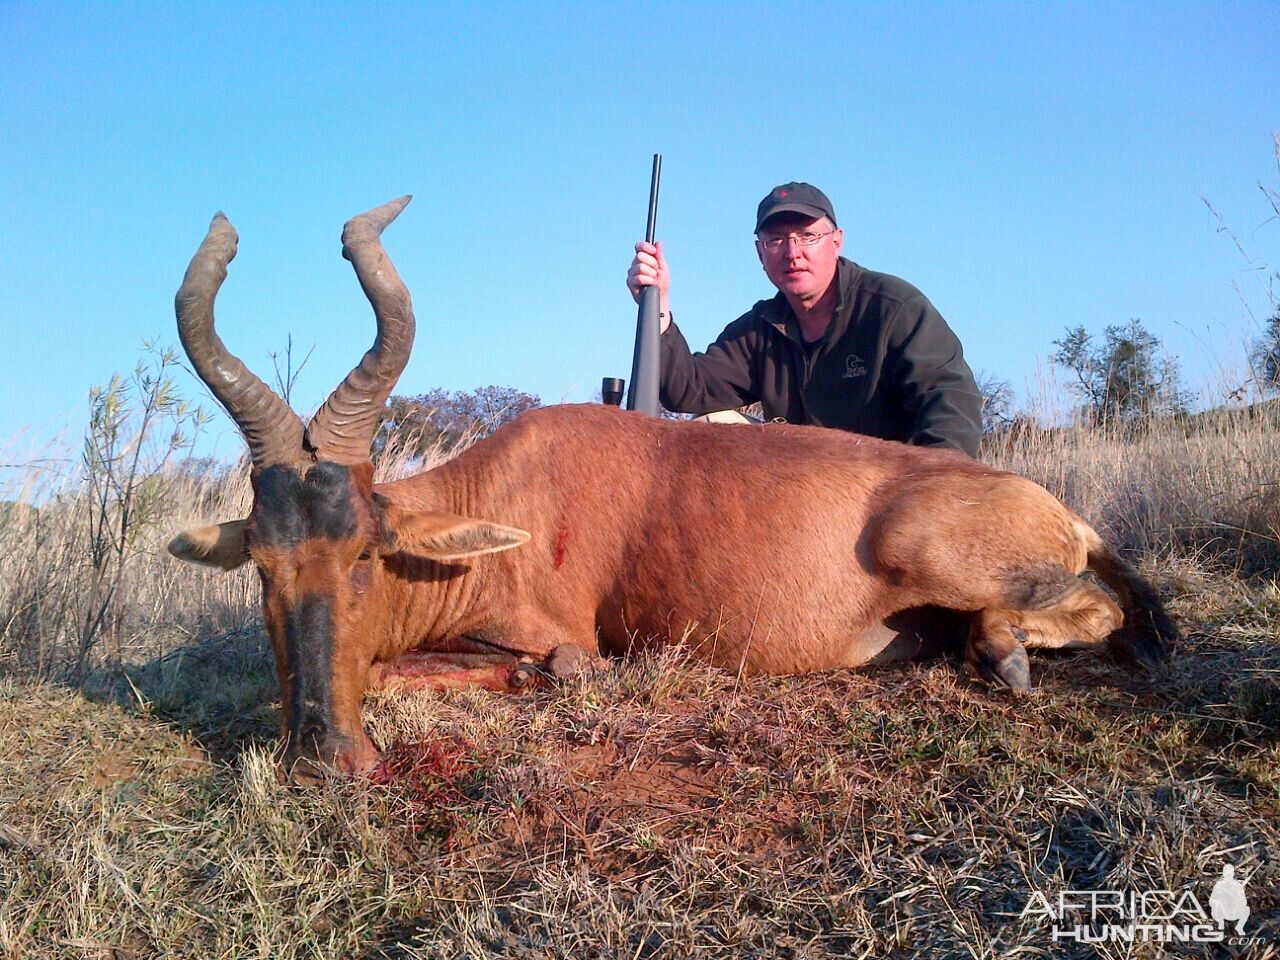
(643, 395)
(651, 229)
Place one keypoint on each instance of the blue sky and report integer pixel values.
(1029, 166)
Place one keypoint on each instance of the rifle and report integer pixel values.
(643, 395)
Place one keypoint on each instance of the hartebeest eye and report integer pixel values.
(362, 572)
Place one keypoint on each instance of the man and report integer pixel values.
(838, 346)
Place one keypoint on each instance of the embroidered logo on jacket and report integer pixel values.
(854, 367)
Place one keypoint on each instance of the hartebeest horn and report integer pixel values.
(272, 429)
(342, 430)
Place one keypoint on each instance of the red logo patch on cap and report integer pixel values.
(782, 193)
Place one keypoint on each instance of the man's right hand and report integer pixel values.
(647, 269)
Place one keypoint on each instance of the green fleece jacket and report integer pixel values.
(888, 366)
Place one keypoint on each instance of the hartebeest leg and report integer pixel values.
(1083, 617)
(452, 671)
(499, 671)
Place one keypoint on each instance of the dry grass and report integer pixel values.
(1206, 489)
(660, 809)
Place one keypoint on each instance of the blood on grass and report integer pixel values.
(428, 776)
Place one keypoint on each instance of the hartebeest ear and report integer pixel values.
(221, 545)
(444, 536)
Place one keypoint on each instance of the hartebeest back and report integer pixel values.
(768, 549)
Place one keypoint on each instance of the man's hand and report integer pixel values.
(647, 269)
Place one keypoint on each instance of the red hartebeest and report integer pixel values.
(769, 549)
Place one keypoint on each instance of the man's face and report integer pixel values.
(803, 272)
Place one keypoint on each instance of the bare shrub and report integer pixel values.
(80, 583)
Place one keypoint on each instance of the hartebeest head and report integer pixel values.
(317, 533)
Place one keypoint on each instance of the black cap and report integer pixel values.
(795, 198)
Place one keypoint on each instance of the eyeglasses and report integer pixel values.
(774, 244)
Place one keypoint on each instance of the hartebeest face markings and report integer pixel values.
(290, 506)
(314, 532)
(309, 641)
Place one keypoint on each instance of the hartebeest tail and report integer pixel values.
(1148, 632)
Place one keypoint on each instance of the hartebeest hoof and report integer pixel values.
(1013, 671)
(1001, 660)
(569, 659)
(524, 675)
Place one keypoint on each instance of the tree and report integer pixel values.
(440, 420)
(1126, 378)
(1264, 356)
(287, 378)
(997, 401)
